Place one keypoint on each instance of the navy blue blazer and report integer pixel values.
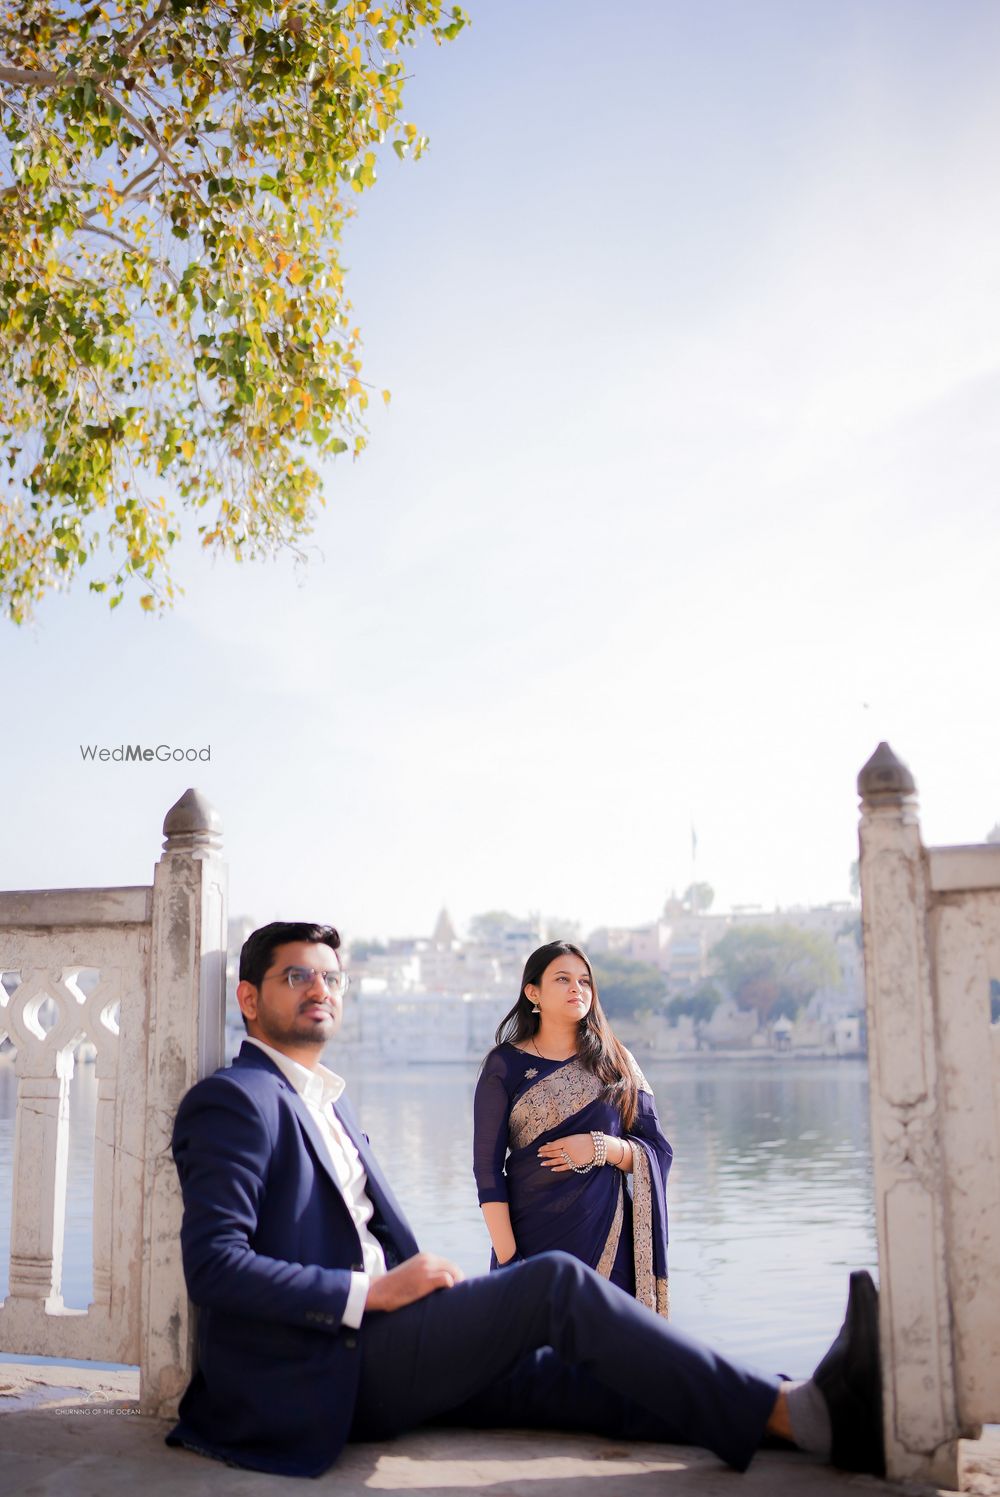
(268, 1246)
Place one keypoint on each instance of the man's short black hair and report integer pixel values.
(260, 945)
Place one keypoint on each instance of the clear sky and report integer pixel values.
(686, 497)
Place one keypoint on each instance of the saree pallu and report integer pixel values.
(585, 1214)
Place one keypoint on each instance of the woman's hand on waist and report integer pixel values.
(579, 1147)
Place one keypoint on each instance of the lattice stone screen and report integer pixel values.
(154, 1016)
(931, 920)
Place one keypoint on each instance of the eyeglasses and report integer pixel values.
(298, 978)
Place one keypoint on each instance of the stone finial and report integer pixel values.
(885, 780)
(192, 823)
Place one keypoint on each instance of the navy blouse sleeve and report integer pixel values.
(491, 1110)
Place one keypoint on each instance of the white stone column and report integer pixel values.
(104, 1037)
(921, 1417)
(44, 1069)
(41, 1151)
(185, 1042)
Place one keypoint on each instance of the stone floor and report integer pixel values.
(76, 1432)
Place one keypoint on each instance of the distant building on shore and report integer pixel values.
(440, 997)
(681, 941)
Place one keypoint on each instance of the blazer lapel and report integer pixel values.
(379, 1190)
(349, 1123)
(310, 1129)
(387, 1209)
(388, 1214)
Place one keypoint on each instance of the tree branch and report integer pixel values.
(127, 194)
(150, 135)
(35, 77)
(146, 27)
(89, 228)
(128, 188)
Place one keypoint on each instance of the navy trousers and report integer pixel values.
(549, 1344)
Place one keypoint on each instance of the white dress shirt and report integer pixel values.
(319, 1089)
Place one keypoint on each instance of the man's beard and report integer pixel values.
(306, 1034)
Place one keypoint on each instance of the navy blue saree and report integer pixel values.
(522, 1102)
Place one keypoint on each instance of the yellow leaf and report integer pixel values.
(295, 272)
(188, 450)
(301, 417)
(147, 601)
(387, 396)
(354, 387)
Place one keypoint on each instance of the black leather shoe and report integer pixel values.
(850, 1379)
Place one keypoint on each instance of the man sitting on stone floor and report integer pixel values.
(321, 1322)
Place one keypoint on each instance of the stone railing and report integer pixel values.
(931, 921)
(155, 1019)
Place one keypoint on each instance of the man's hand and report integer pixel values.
(411, 1281)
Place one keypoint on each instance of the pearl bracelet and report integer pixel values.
(600, 1156)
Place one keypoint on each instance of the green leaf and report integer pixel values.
(144, 353)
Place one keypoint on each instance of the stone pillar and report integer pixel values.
(918, 1376)
(109, 1148)
(185, 1042)
(38, 1207)
(44, 1069)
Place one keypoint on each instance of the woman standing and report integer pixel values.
(562, 1115)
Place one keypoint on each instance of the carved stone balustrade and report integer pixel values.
(931, 919)
(155, 1019)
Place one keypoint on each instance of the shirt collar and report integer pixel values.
(319, 1087)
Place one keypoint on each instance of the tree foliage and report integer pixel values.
(774, 969)
(492, 925)
(626, 987)
(360, 951)
(699, 1005)
(698, 898)
(173, 181)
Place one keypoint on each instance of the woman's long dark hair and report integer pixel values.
(597, 1049)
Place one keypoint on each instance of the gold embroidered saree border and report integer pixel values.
(607, 1259)
(650, 1291)
(550, 1102)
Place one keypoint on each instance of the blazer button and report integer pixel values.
(351, 1341)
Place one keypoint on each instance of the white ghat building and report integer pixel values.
(440, 998)
(417, 999)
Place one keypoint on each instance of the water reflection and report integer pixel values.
(770, 1195)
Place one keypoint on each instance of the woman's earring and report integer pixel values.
(536, 1009)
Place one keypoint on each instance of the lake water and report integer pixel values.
(770, 1194)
